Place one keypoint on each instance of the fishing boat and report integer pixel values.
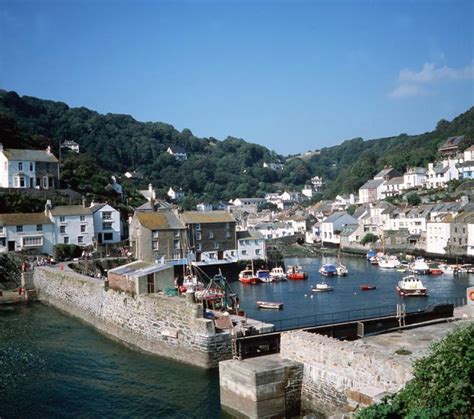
(341, 270)
(296, 273)
(264, 275)
(388, 262)
(328, 269)
(248, 277)
(435, 269)
(367, 287)
(270, 304)
(322, 287)
(420, 267)
(411, 286)
(278, 274)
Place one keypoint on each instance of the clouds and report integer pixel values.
(420, 83)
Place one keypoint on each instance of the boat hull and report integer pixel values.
(270, 305)
(404, 292)
(298, 276)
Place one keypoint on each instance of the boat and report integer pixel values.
(374, 260)
(371, 254)
(322, 287)
(328, 269)
(446, 269)
(296, 273)
(388, 262)
(341, 270)
(435, 269)
(270, 305)
(278, 274)
(367, 287)
(248, 277)
(411, 286)
(264, 275)
(420, 267)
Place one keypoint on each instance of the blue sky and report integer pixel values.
(290, 75)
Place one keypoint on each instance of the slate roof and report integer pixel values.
(385, 172)
(452, 142)
(200, 217)
(372, 184)
(440, 169)
(415, 170)
(29, 155)
(334, 217)
(24, 219)
(70, 210)
(159, 220)
(97, 207)
(465, 164)
(398, 180)
(348, 229)
(251, 233)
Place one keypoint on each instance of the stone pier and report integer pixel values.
(263, 387)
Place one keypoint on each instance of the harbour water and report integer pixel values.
(52, 365)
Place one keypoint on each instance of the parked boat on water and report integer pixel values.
(374, 260)
(411, 286)
(371, 254)
(296, 273)
(435, 269)
(270, 305)
(446, 269)
(388, 262)
(367, 287)
(321, 287)
(264, 275)
(420, 267)
(328, 269)
(248, 277)
(341, 270)
(278, 274)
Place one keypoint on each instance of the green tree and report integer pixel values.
(413, 198)
(369, 238)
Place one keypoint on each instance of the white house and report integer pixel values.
(466, 169)
(413, 219)
(178, 153)
(438, 235)
(71, 145)
(308, 191)
(107, 225)
(28, 169)
(204, 206)
(73, 224)
(394, 186)
(250, 245)
(469, 153)
(33, 231)
(117, 187)
(175, 195)
(371, 191)
(317, 183)
(438, 176)
(332, 226)
(274, 230)
(414, 177)
(249, 205)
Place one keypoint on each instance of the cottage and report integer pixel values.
(371, 191)
(332, 226)
(28, 169)
(71, 145)
(275, 230)
(175, 195)
(451, 146)
(178, 153)
(440, 174)
(414, 177)
(251, 245)
(107, 224)
(394, 186)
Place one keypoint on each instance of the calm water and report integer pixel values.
(52, 365)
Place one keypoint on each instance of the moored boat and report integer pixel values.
(278, 274)
(322, 287)
(248, 277)
(264, 275)
(341, 270)
(446, 269)
(296, 273)
(371, 254)
(411, 286)
(388, 262)
(270, 304)
(374, 260)
(420, 267)
(367, 287)
(328, 269)
(435, 269)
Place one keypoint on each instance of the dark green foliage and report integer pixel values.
(9, 269)
(442, 386)
(369, 238)
(413, 199)
(64, 252)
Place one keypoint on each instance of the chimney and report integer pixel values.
(92, 203)
(48, 150)
(47, 207)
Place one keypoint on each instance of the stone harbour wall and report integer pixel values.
(168, 326)
(339, 375)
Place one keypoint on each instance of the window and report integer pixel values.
(19, 229)
(1, 229)
(39, 227)
(22, 181)
(198, 227)
(82, 218)
(198, 235)
(62, 229)
(216, 245)
(32, 241)
(257, 252)
(176, 244)
(107, 215)
(20, 166)
(107, 226)
(198, 247)
(177, 233)
(155, 245)
(32, 167)
(83, 228)
(66, 240)
(154, 234)
(80, 239)
(108, 236)
(244, 252)
(227, 234)
(62, 219)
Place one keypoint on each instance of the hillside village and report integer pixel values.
(241, 229)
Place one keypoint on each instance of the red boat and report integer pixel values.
(296, 273)
(436, 271)
(367, 287)
(248, 277)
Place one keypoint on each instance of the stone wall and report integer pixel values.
(339, 375)
(167, 326)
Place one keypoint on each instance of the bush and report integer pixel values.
(413, 199)
(66, 252)
(442, 385)
(369, 238)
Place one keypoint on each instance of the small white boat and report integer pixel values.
(420, 267)
(270, 304)
(264, 275)
(341, 270)
(278, 274)
(411, 286)
(328, 270)
(322, 287)
(388, 262)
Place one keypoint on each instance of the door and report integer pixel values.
(11, 246)
(220, 255)
(150, 279)
(99, 238)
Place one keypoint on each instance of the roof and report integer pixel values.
(97, 207)
(177, 149)
(348, 229)
(249, 234)
(452, 142)
(158, 204)
(465, 164)
(71, 210)
(372, 184)
(471, 148)
(439, 168)
(398, 180)
(160, 220)
(335, 216)
(385, 172)
(139, 268)
(24, 219)
(199, 217)
(415, 170)
(250, 199)
(29, 155)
